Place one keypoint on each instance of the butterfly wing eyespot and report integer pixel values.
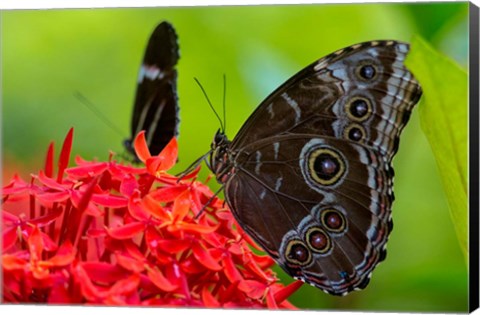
(359, 108)
(297, 253)
(367, 72)
(318, 240)
(333, 220)
(322, 165)
(354, 132)
(310, 175)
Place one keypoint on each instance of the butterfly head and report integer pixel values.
(220, 162)
(128, 144)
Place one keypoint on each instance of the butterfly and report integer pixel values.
(309, 175)
(156, 103)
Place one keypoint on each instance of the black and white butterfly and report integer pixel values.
(309, 175)
(156, 102)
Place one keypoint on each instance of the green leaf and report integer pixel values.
(443, 118)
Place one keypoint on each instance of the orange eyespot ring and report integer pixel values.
(326, 166)
(359, 108)
(333, 220)
(354, 132)
(367, 72)
(297, 253)
(318, 240)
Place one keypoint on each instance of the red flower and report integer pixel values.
(108, 233)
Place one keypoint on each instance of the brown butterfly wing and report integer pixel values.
(313, 101)
(275, 204)
(309, 174)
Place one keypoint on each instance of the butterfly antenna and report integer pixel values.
(224, 106)
(97, 113)
(210, 104)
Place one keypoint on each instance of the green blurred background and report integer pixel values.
(49, 55)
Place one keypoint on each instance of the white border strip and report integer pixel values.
(62, 4)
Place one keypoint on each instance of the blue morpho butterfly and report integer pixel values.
(309, 175)
(156, 103)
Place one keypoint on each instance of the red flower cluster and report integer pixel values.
(107, 233)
